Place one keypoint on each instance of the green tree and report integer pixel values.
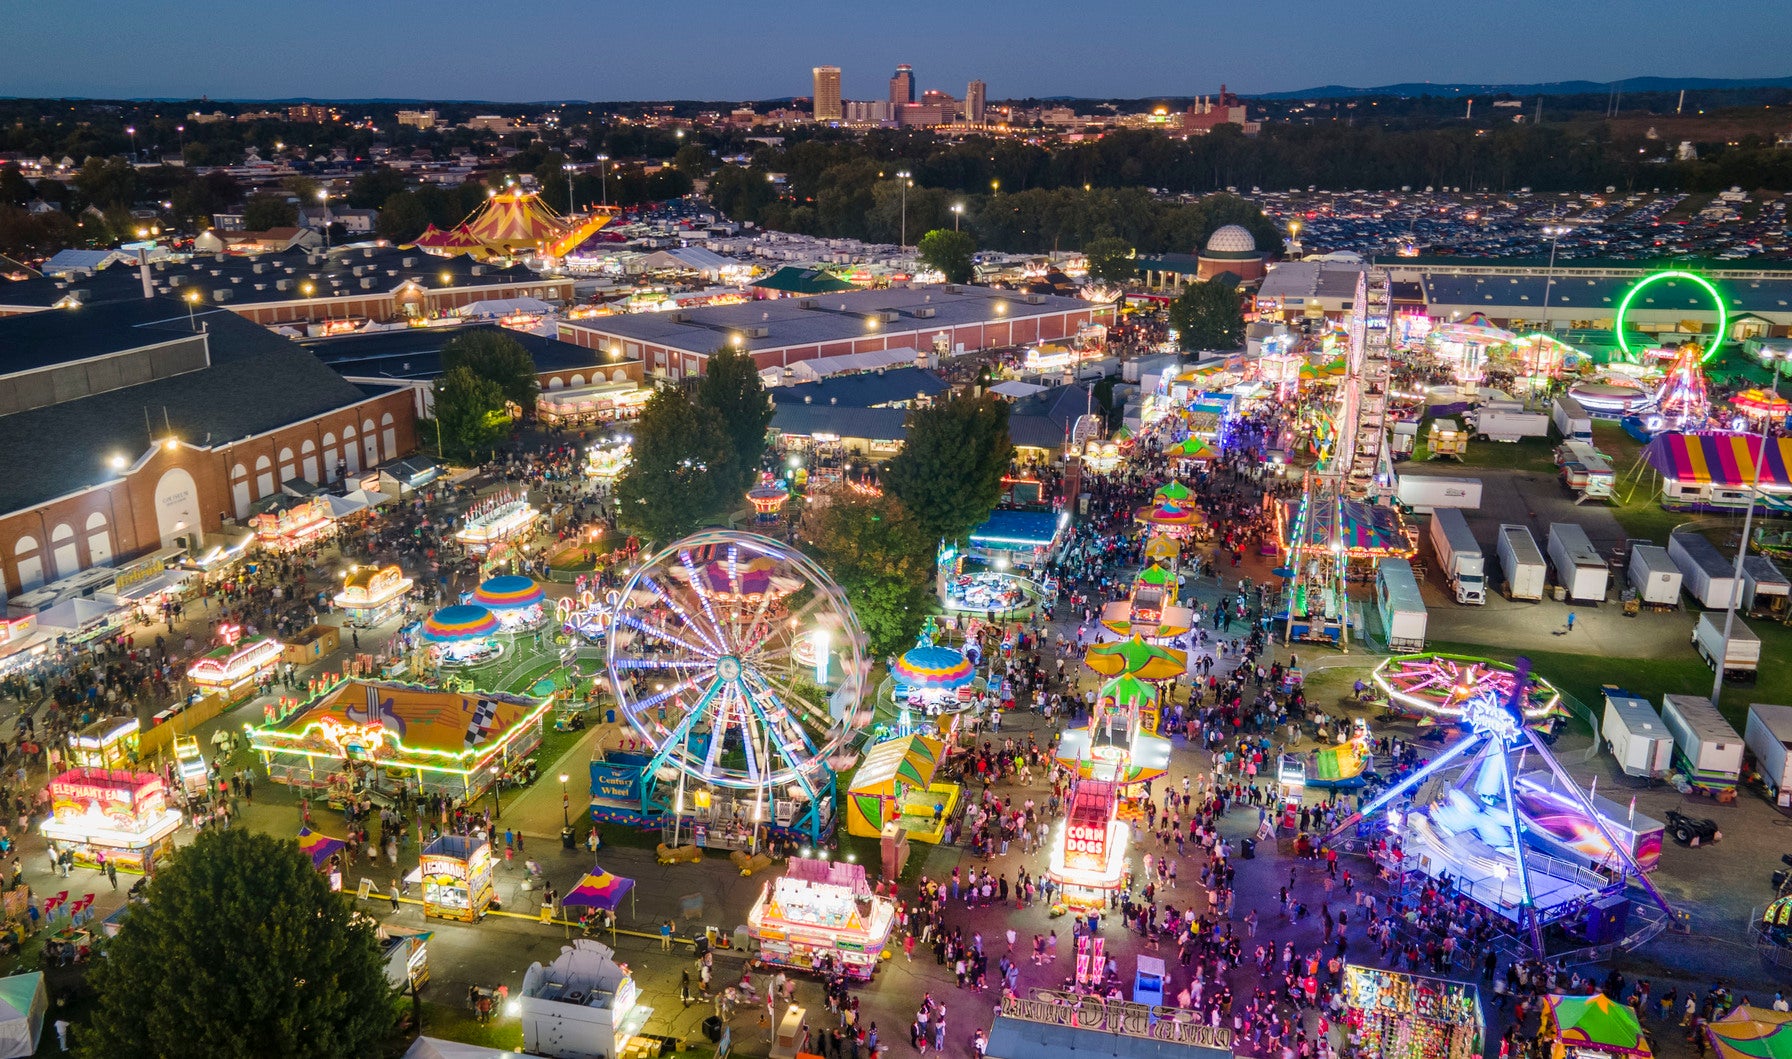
(15, 190)
(107, 182)
(403, 217)
(731, 392)
(470, 415)
(1111, 260)
(950, 252)
(242, 946)
(679, 476)
(371, 189)
(880, 558)
(949, 472)
(1208, 316)
(494, 355)
(262, 212)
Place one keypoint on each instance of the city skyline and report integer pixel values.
(151, 50)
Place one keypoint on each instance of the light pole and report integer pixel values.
(192, 299)
(603, 173)
(1748, 517)
(957, 212)
(565, 805)
(902, 175)
(323, 198)
(568, 168)
(1555, 233)
(181, 131)
(131, 131)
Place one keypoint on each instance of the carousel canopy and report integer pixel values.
(508, 592)
(1752, 1033)
(1136, 657)
(1597, 1022)
(933, 667)
(1726, 460)
(459, 623)
(909, 761)
(1476, 330)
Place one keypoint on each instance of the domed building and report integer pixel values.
(1231, 248)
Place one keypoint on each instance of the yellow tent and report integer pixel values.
(895, 784)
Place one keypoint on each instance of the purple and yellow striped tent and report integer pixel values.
(1721, 459)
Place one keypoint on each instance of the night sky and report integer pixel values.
(760, 49)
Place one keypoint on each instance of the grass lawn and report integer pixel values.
(1527, 454)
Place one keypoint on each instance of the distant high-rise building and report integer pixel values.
(976, 102)
(902, 86)
(827, 93)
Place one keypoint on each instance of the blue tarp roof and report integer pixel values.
(1017, 529)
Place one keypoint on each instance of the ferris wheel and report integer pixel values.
(741, 662)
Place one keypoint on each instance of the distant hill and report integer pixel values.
(1548, 88)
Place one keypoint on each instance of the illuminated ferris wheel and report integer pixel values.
(741, 662)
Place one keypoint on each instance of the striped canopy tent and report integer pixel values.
(893, 770)
(598, 889)
(508, 592)
(1175, 493)
(459, 624)
(1721, 459)
(1128, 691)
(932, 668)
(1751, 1033)
(1593, 1023)
(1168, 516)
(1136, 657)
(319, 847)
(1191, 449)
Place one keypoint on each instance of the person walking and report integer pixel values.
(392, 892)
(112, 873)
(1570, 621)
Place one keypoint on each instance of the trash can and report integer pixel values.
(569, 838)
(1247, 848)
(712, 1028)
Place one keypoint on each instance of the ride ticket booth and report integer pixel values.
(1291, 785)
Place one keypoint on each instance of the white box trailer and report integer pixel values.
(1634, 734)
(1766, 592)
(1710, 575)
(1585, 472)
(1403, 615)
(1743, 656)
(1580, 569)
(1571, 420)
(1654, 576)
(1459, 556)
(1768, 735)
(1509, 421)
(1425, 493)
(1521, 562)
(1706, 748)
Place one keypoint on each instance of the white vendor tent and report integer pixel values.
(437, 1048)
(23, 1001)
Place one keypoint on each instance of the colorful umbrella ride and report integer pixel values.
(1136, 657)
(1175, 492)
(508, 592)
(930, 668)
(1191, 449)
(1168, 517)
(460, 623)
(598, 889)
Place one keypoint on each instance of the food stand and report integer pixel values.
(457, 878)
(236, 666)
(103, 816)
(1591, 1027)
(1088, 861)
(293, 523)
(607, 462)
(1395, 1014)
(108, 743)
(386, 737)
(373, 594)
(495, 520)
(820, 911)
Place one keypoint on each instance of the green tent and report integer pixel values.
(1595, 1022)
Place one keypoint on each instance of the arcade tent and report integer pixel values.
(895, 785)
(1596, 1024)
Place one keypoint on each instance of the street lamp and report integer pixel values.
(1748, 517)
(568, 168)
(181, 131)
(323, 198)
(957, 212)
(565, 805)
(902, 175)
(603, 172)
(131, 131)
(192, 299)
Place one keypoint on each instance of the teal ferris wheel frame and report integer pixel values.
(1717, 299)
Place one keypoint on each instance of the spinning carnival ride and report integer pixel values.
(1475, 830)
(740, 663)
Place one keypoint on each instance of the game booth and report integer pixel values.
(1411, 1015)
(607, 462)
(372, 594)
(384, 737)
(457, 878)
(462, 635)
(895, 784)
(514, 600)
(1591, 1027)
(1088, 862)
(292, 523)
(496, 520)
(820, 913)
(111, 816)
(237, 666)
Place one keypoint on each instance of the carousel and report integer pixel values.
(462, 635)
(515, 600)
